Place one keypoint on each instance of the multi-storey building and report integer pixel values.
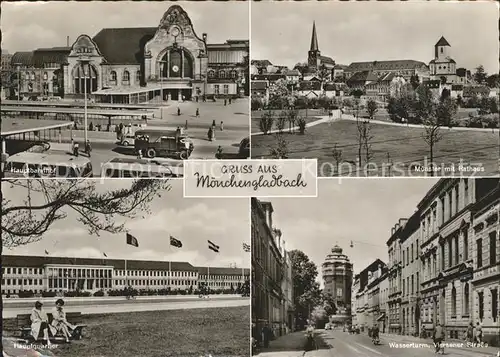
(404, 68)
(354, 300)
(485, 250)
(267, 269)
(133, 65)
(374, 310)
(383, 319)
(287, 288)
(62, 274)
(409, 236)
(446, 252)
(337, 278)
(364, 314)
(395, 277)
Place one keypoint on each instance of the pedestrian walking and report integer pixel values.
(229, 100)
(438, 337)
(221, 126)
(266, 334)
(178, 111)
(76, 149)
(197, 112)
(218, 153)
(139, 154)
(210, 134)
(479, 333)
(469, 334)
(213, 124)
(88, 148)
(225, 101)
(186, 125)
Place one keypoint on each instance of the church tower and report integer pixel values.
(313, 59)
(441, 49)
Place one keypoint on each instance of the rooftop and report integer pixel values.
(17, 126)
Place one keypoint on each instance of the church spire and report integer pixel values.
(314, 39)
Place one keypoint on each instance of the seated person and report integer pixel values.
(40, 324)
(59, 321)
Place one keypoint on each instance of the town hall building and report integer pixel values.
(136, 65)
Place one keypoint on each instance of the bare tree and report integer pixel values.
(280, 149)
(367, 138)
(48, 201)
(281, 121)
(266, 121)
(432, 135)
(360, 137)
(292, 115)
(337, 156)
(372, 108)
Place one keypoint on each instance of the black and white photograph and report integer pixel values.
(338, 276)
(391, 88)
(122, 88)
(123, 268)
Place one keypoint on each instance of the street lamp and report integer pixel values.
(84, 60)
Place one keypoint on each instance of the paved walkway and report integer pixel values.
(291, 345)
(326, 119)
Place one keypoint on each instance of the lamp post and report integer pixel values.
(18, 65)
(84, 60)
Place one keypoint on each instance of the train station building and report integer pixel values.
(136, 65)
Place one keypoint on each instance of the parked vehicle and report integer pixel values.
(167, 143)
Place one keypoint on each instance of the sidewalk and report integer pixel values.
(291, 345)
(486, 351)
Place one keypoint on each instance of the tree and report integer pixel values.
(291, 115)
(414, 81)
(279, 94)
(493, 81)
(372, 108)
(323, 74)
(480, 75)
(280, 123)
(329, 303)
(301, 122)
(280, 149)
(337, 156)
(266, 121)
(445, 94)
(306, 292)
(357, 93)
(446, 111)
(27, 222)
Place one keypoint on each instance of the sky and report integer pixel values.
(358, 210)
(193, 221)
(368, 31)
(30, 25)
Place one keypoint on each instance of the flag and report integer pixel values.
(213, 246)
(132, 240)
(246, 247)
(104, 254)
(46, 252)
(175, 242)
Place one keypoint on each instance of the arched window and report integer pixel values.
(112, 77)
(85, 79)
(222, 74)
(211, 74)
(466, 299)
(234, 74)
(126, 77)
(32, 76)
(453, 301)
(45, 76)
(138, 77)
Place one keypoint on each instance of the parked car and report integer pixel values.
(244, 150)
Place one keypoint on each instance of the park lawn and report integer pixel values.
(312, 115)
(193, 332)
(404, 145)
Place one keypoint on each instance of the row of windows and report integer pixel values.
(223, 74)
(113, 77)
(22, 271)
(154, 273)
(32, 76)
(217, 89)
(22, 282)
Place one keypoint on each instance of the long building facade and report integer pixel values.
(272, 277)
(59, 274)
(135, 65)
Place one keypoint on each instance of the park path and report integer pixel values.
(326, 119)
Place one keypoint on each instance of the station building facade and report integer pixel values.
(136, 65)
(60, 274)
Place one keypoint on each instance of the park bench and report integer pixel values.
(24, 325)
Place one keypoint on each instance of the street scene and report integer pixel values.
(338, 276)
(344, 84)
(128, 96)
(122, 267)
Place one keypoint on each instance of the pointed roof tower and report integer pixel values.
(442, 42)
(314, 39)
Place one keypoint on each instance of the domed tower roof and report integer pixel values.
(337, 250)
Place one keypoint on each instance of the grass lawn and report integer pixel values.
(195, 332)
(312, 115)
(404, 145)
